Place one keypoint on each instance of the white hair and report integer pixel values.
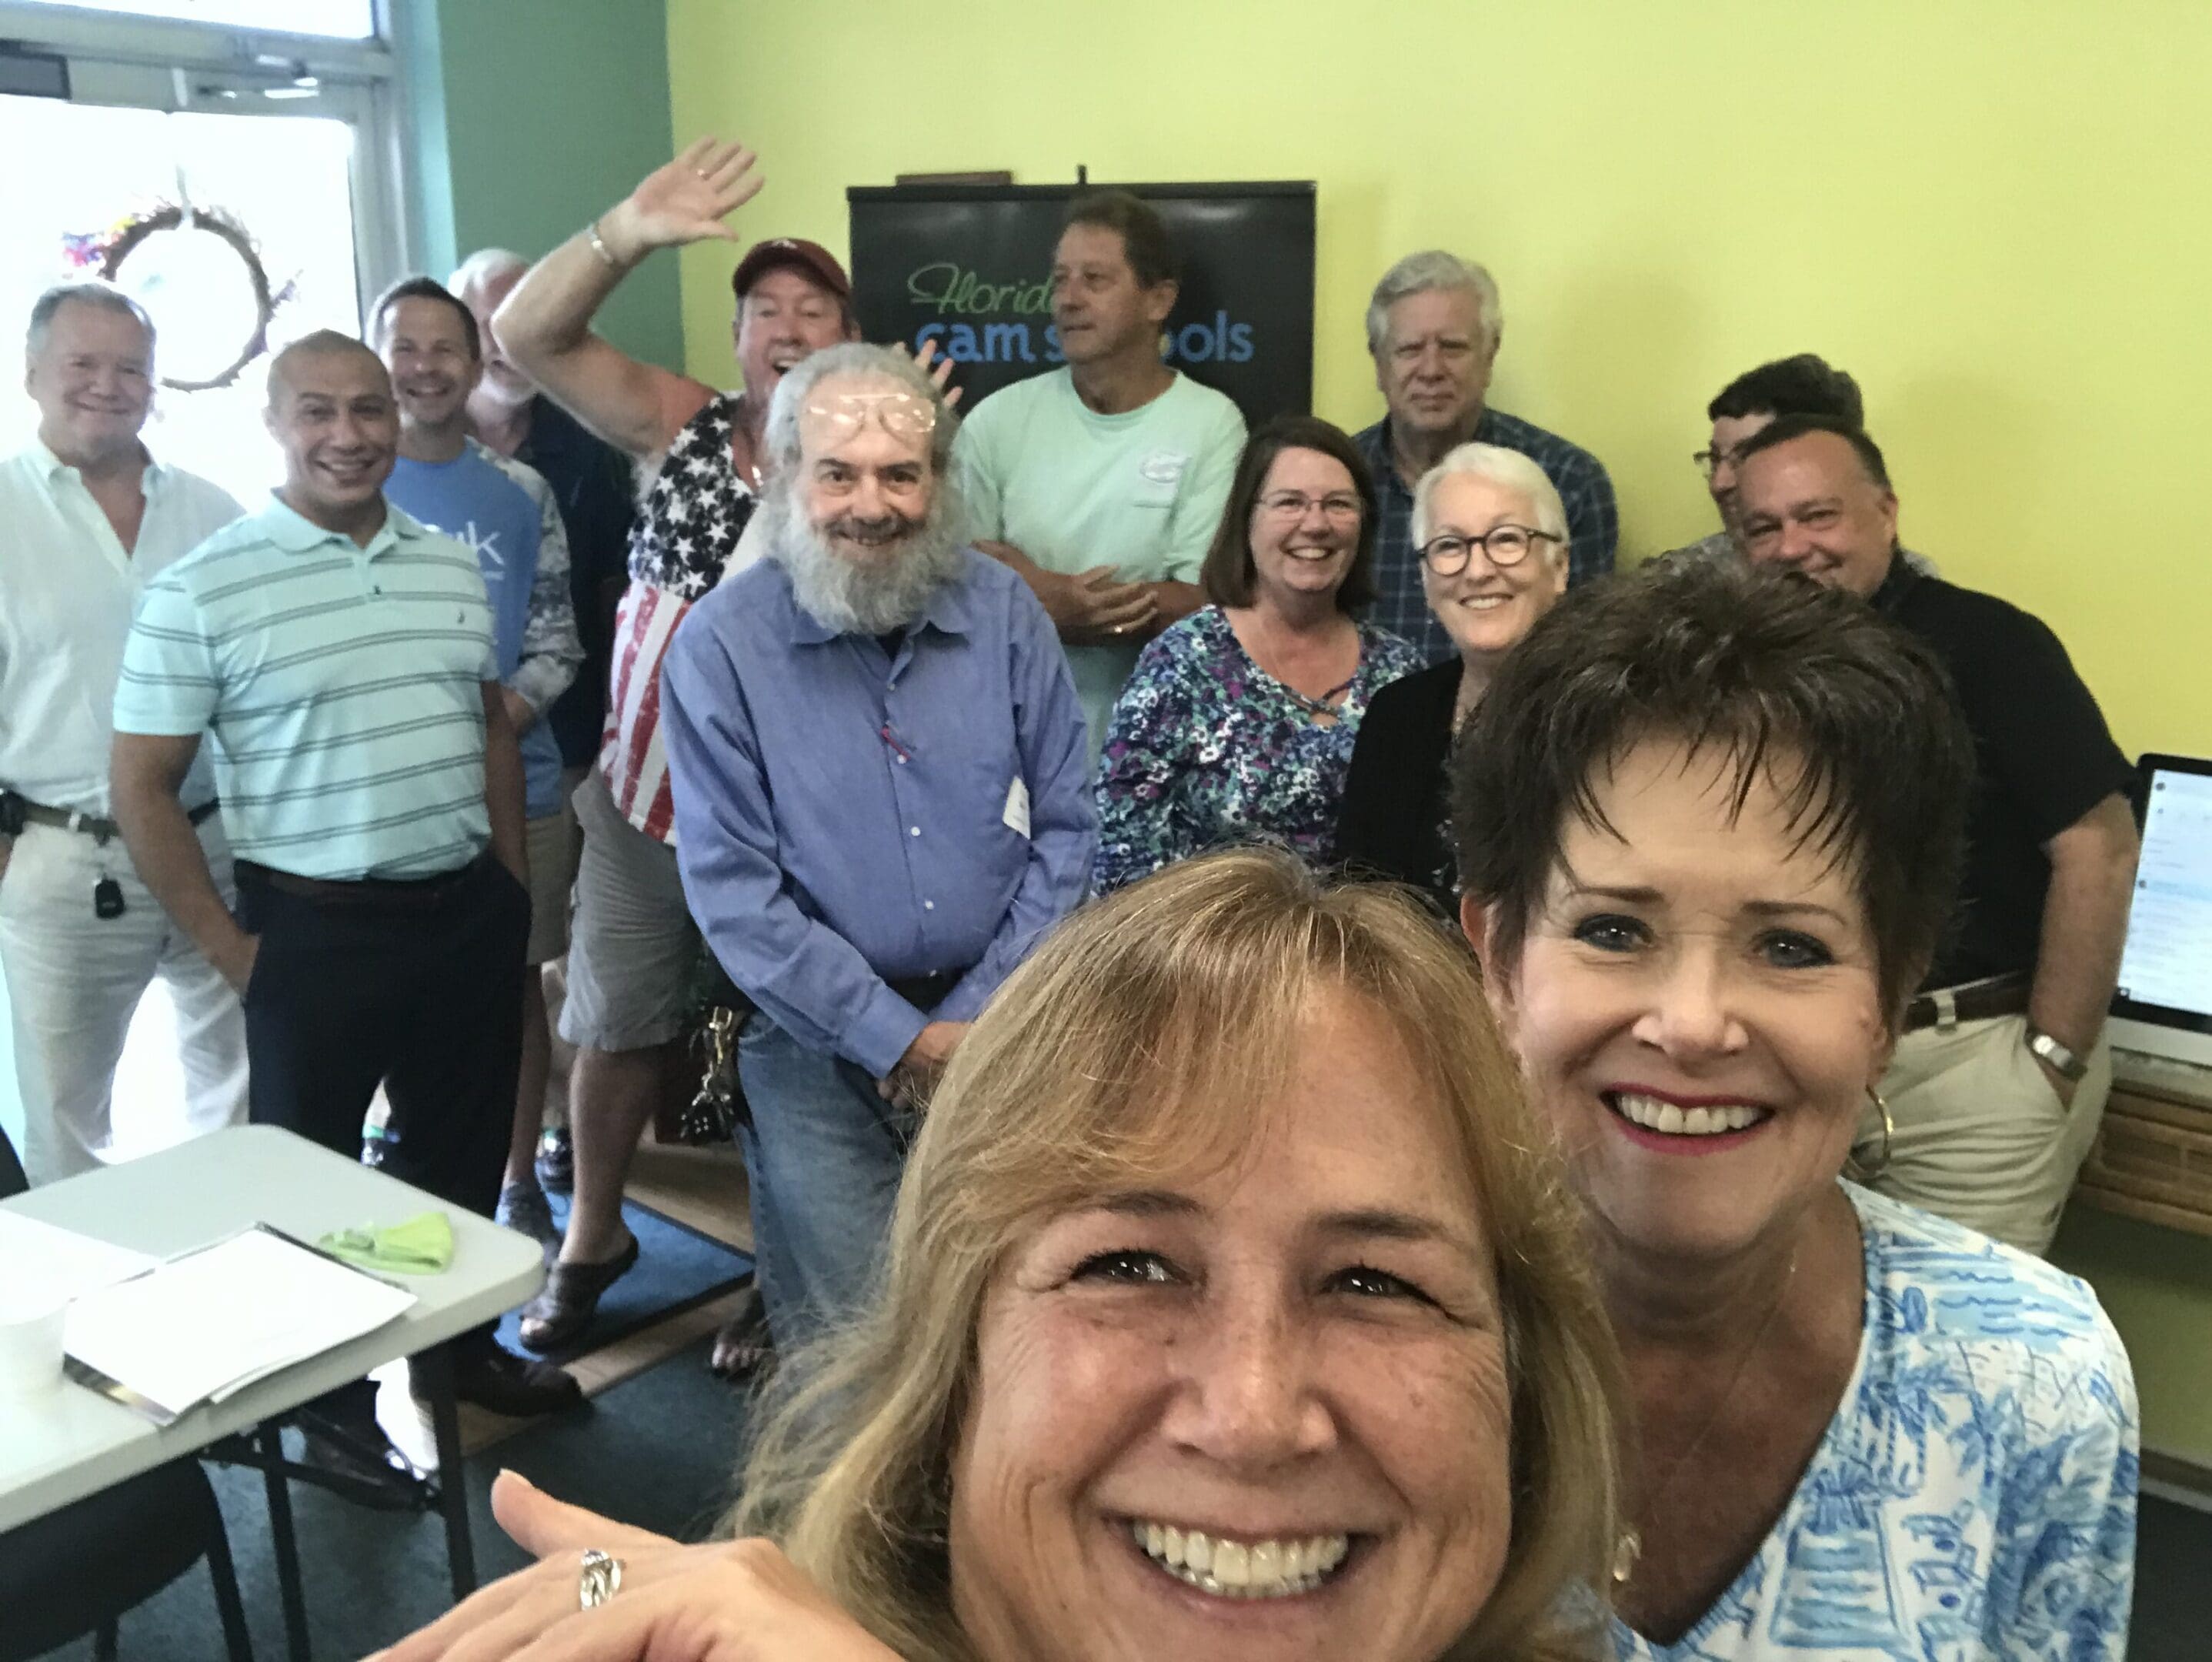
(1509, 470)
(485, 265)
(859, 361)
(1433, 269)
(841, 594)
(84, 291)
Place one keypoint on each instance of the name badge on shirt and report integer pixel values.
(1159, 475)
(1163, 468)
(1017, 815)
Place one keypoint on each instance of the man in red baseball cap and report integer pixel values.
(633, 945)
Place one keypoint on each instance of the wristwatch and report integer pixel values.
(2062, 1060)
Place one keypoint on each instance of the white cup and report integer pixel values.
(30, 1343)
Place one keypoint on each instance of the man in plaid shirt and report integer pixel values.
(1433, 326)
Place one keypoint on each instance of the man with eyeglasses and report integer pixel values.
(1433, 329)
(2000, 1074)
(1804, 385)
(634, 949)
(880, 789)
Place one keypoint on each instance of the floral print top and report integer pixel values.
(1206, 749)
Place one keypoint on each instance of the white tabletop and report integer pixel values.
(60, 1448)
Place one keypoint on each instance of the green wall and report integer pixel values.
(526, 117)
(2156, 1285)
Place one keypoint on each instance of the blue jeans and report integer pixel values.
(824, 1154)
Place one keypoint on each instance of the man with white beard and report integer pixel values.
(878, 765)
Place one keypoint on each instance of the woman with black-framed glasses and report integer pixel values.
(1492, 538)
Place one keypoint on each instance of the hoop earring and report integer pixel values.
(1865, 1174)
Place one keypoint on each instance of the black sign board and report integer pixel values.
(969, 267)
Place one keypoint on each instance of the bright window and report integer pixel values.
(283, 180)
(339, 20)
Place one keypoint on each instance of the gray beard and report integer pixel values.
(853, 597)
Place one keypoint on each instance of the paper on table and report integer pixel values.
(42, 1258)
(201, 1326)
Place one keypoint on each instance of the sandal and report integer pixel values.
(563, 1307)
(743, 1347)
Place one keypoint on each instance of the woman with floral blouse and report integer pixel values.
(1237, 725)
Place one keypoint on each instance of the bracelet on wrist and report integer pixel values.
(600, 247)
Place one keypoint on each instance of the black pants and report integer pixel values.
(414, 986)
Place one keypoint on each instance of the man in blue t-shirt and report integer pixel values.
(506, 513)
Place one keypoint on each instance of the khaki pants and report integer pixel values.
(1981, 1137)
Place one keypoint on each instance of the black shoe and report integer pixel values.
(564, 1306)
(353, 1456)
(496, 1379)
(557, 1162)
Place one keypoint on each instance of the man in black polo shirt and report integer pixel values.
(2001, 1073)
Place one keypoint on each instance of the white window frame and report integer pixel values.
(159, 64)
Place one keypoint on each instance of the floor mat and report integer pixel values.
(678, 1267)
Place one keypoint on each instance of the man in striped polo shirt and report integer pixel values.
(343, 657)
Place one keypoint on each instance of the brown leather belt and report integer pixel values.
(101, 830)
(366, 890)
(1970, 1000)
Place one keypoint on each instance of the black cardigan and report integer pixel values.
(1391, 825)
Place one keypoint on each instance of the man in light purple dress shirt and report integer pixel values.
(877, 761)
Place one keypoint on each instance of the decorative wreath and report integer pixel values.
(107, 250)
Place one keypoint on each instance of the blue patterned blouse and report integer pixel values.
(1974, 1499)
(1207, 749)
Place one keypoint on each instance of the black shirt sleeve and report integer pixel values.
(2040, 737)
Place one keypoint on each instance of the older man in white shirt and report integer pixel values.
(86, 516)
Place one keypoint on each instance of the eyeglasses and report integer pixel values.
(1291, 505)
(840, 415)
(1502, 545)
(1709, 462)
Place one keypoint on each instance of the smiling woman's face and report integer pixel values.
(1485, 607)
(1259, 1411)
(1696, 1008)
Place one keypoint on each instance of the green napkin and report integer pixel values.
(423, 1246)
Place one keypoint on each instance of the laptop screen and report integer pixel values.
(2166, 970)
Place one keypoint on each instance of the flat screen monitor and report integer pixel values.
(2164, 1003)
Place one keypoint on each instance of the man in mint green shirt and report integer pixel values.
(1102, 483)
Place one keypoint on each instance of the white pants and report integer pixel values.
(1981, 1136)
(74, 981)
